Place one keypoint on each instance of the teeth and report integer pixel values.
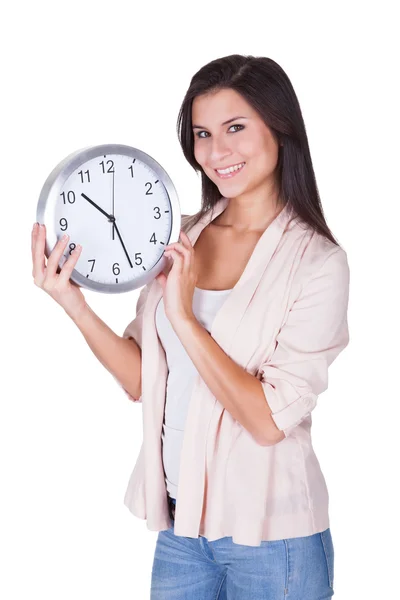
(231, 169)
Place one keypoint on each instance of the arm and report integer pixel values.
(270, 404)
(133, 332)
(121, 357)
(314, 334)
(236, 389)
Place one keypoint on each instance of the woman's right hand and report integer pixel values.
(58, 285)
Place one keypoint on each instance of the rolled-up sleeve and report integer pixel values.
(315, 332)
(134, 330)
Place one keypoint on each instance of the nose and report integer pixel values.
(219, 150)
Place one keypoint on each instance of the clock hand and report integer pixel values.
(113, 211)
(112, 219)
(109, 217)
(119, 235)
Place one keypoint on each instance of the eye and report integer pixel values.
(199, 132)
(235, 125)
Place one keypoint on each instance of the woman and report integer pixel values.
(229, 350)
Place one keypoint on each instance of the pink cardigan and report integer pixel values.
(285, 322)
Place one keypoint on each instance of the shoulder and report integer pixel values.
(326, 260)
(318, 255)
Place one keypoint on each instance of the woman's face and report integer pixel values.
(244, 140)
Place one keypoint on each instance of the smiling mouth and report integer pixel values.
(230, 173)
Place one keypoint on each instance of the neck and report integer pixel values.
(246, 214)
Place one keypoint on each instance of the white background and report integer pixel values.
(81, 73)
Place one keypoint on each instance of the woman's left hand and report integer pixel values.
(178, 286)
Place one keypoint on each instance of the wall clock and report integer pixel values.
(121, 206)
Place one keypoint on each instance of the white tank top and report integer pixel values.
(180, 380)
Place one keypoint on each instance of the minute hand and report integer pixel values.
(120, 239)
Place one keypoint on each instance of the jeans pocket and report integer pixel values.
(327, 545)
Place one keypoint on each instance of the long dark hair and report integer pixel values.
(267, 88)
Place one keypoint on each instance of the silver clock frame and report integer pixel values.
(49, 196)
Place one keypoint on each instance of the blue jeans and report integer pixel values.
(195, 569)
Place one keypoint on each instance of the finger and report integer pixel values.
(55, 256)
(69, 265)
(187, 257)
(33, 238)
(178, 260)
(33, 244)
(176, 245)
(38, 257)
(181, 250)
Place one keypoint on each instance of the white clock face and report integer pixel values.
(128, 190)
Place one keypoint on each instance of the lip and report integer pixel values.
(230, 175)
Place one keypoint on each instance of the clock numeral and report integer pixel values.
(137, 257)
(110, 168)
(81, 173)
(153, 238)
(159, 214)
(70, 197)
(72, 247)
(116, 269)
(148, 192)
(63, 224)
(131, 168)
(92, 260)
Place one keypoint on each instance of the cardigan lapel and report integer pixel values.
(228, 317)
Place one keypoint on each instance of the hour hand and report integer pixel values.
(109, 217)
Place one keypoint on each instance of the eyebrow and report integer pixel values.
(224, 123)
